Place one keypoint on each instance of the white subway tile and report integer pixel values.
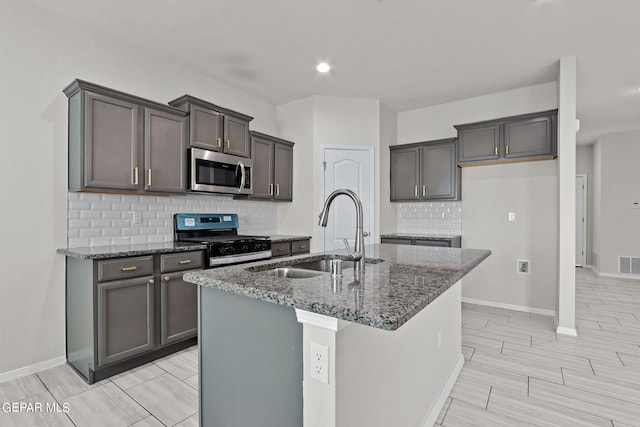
(120, 240)
(89, 232)
(79, 242)
(99, 241)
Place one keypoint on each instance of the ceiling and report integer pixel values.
(407, 53)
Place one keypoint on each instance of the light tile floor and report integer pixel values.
(160, 393)
(518, 372)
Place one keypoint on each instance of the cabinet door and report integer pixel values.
(479, 143)
(262, 172)
(112, 136)
(206, 128)
(404, 174)
(439, 172)
(529, 138)
(236, 137)
(283, 172)
(125, 319)
(178, 309)
(165, 152)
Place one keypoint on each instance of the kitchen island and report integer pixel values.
(391, 337)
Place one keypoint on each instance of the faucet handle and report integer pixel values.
(346, 244)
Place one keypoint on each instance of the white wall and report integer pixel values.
(617, 230)
(584, 165)
(490, 192)
(41, 54)
(323, 120)
(387, 218)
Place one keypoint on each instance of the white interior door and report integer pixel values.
(581, 220)
(351, 168)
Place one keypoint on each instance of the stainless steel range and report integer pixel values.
(220, 233)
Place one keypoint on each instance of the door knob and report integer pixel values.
(365, 233)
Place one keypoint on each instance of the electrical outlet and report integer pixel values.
(524, 266)
(319, 362)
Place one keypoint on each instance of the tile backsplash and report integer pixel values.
(112, 219)
(430, 217)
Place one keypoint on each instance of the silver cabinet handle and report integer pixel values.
(415, 192)
(424, 190)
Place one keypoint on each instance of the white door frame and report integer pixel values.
(372, 176)
(584, 224)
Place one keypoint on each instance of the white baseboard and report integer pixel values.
(32, 369)
(437, 406)
(566, 331)
(534, 310)
(618, 276)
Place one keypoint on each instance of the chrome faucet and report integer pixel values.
(357, 255)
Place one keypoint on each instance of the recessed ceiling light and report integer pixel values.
(323, 67)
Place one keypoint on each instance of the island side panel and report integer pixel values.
(250, 361)
(400, 377)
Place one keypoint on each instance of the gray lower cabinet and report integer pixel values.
(296, 247)
(517, 138)
(119, 142)
(123, 312)
(272, 167)
(425, 171)
(215, 128)
(125, 319)
(177, 299)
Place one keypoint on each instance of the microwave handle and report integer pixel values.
(242, 175)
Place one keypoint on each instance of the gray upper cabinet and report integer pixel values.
(272, 167)
(165, 147)
(405, 175)
(119, 142)
(518, 138)
(440, 175)
(479, 143)
(111, 140)
(216, 128)
(530, 137)
(425, 171)
(206, 128)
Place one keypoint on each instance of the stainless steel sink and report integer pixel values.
(321, 265)
(290, 273)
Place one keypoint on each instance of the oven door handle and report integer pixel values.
(242, 175)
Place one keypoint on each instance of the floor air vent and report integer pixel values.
(629, 265)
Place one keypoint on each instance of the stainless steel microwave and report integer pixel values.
(214, 172)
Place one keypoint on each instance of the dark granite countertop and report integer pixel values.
(281, 238)
(117, 251)
(419, 236)
(389, 294)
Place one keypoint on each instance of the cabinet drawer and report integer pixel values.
(280, 249)
(124, 268)
(300, 246)
(396, 241)
(181, 261)
(442, 243)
